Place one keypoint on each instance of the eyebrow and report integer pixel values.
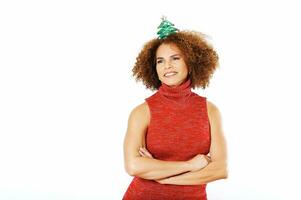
(169, 56)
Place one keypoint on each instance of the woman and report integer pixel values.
(174, 143)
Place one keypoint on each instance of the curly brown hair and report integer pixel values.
(199, 56)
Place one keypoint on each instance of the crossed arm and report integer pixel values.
(198, 170)
(209, 171)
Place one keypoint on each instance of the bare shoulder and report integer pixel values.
(135, 135)
(211, 106)
(218, 147)
(213, 111)
(141, 113)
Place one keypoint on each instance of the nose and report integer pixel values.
(167, 65)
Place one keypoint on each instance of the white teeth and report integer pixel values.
(170, 74)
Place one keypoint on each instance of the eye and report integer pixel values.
(176, 58)
(159, 61)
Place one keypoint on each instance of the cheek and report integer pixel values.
(159, 71)
(184, 68)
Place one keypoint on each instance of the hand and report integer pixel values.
(162, 181)
(145, 153)
(198, 162)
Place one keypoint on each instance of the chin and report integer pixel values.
(172, 82)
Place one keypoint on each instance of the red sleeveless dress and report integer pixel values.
(179, 129)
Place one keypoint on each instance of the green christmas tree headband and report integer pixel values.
(166, 28)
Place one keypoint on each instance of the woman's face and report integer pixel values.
(170, 65)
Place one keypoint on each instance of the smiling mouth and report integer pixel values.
(170, 74)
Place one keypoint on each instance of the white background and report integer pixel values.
(66, 90)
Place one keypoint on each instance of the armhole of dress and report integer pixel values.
(149, 109)
(207, 116)
(206, 109)
(149, 122)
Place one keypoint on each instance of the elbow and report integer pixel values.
(224, 172)
(224, 175)
(131, 168)
(221, 170)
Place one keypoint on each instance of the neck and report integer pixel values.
(176, 94)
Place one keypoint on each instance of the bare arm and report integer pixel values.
(149, 168)
(213, 171)
(217, 168)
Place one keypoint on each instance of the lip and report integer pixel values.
(170, 72)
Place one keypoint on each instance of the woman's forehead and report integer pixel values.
(167, 50)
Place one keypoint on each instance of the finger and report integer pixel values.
(208, 158)
(147, 152)
(142, 154)
(143, 150)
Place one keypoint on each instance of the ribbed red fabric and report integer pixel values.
(179, 129)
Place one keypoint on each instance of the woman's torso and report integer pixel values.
(174, 133)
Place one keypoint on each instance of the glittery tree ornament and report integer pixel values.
(166, 28)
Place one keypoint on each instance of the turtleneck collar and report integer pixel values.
(178, 94)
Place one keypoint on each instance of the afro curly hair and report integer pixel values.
(199, 56)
